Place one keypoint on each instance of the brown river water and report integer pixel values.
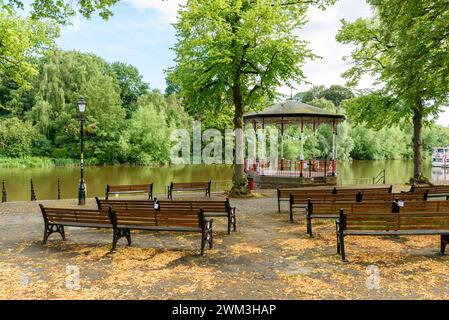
(45, 179)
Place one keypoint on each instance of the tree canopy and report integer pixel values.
(21, 40)
(237, 53)
(62, 10)
(404, 47)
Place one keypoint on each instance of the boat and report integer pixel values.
(440, 157)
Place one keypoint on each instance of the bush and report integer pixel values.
(16, 137)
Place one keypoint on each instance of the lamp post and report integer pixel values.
(82, 189)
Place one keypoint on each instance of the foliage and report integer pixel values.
(149, 135)
(335, 93)
(404, 48)
(131, 84)
(22, 39)
(235, 53)
(16, 137)
(62, 10)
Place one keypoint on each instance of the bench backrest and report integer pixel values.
(159, 218)
(131, 187)
(285, 193)
(404, 196)
(207, 206)
(395, 221)
(190, 185)
(326, 207)
(104, 204)
(435, 189)
(81, 216)
(303, 198)
(425, 206)
(365, 190)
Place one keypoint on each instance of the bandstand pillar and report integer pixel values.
(334, 148)
(301, 150)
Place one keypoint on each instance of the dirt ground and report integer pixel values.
(267, 258)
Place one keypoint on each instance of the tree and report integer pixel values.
(64, 77)
(62, 10)
(405, 48)
(236, 53)
(16, 137)
(149, 135)
(334, 93)
(131, 84)
(21, 40)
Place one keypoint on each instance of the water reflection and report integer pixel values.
(45, 179)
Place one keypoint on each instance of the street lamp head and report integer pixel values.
(81, 105)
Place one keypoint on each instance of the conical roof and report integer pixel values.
(292, 110)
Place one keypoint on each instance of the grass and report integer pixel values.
(34, 162)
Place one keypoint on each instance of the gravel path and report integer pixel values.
(267, 258)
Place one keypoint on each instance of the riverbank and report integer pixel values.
(36, 162)
(267, 258)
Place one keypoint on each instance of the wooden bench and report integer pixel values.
(130, 189)
(331, 210)
(212, 208)
(435, 191)
(188, 186)
(123, 221)
(392, 224)
(55, 219)
(284, 194)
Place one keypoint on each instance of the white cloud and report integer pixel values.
(320, 32)
(167, 9)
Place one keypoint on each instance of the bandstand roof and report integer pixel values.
(292, 112)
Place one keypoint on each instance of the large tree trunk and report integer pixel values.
(240, 183)
(418, 176)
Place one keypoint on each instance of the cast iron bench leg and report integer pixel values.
(444, 242)
(52, 228)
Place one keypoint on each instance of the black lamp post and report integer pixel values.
(82, 189)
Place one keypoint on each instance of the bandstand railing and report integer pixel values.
(292, 168)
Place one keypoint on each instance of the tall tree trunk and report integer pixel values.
(418, 176)
(240, 183)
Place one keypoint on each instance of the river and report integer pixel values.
(45, 179)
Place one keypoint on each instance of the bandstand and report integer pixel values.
(281, 172)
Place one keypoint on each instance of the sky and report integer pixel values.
(141, 34)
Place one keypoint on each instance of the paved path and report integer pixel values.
(267, 258)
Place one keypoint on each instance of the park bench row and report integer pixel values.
(122, 221)
(148, 188)
(299, 200)
(212, 208)
(126, 215)
(435, 191)
(330, 210)
(382, 218)
(284, 193)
